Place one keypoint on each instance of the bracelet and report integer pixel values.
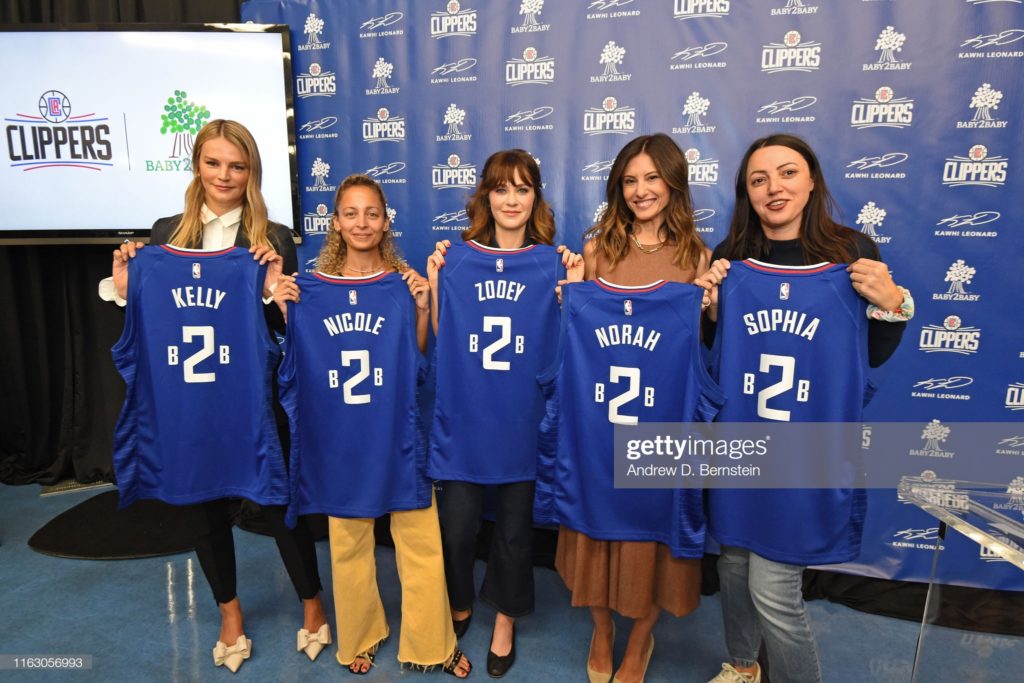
(903, 312)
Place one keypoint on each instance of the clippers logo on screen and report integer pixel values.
(454, 21)
(702, 172)
(454, 175)
(384, 128)
(699, 9)
(57, 138)
(977, 168)
(609, 118)
(950, 337)
(792, 54)
(315, 83)
(531, 69)
(884, 111)
(318, 222)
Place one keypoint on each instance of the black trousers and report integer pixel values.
(508, 582)
(215, 547)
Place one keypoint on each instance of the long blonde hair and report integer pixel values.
(333, 253)
(189, 232)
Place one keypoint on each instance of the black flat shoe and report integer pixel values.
(461, 625)
(498, 666)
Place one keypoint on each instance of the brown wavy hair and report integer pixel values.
(611, 232)
(500, 168)
(189, 232)
(822, 238)
(334, 251)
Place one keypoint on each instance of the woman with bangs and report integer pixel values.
(646, 234)
(511, 235)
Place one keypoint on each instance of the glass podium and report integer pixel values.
(992, 516)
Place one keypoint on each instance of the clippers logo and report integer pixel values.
(954, 226)
(627, 307)
(384, 173)
(950, 337)
(597, 170)
(1006, 44)
(454, 175)
(197, 271)
(455, 119)
(870, 219)
(499, 265)
(942, 388)
(784, 291)
(454, 72)
(794, 7)
(379, 27)
(611, 57)
(984, 102)
(866, 164)
(700, 9)
(699, 57)
(775, 112)
(318, 222)
(694, 110)
(526, 120)
(382, 71)
(313, 27)
(55, 138)
(1015, 396)
(531, 9)
(384, 128)
(885, 111)
(607, 9)
(934, 435)
(320, 170)
(609, 119)
(702, 172)
(958, 275)
(454, 21)
(316, 129)
(315, 83)
(792, 54)
(977, 168)
(702, 215)
(532, 69)
(889, 42)
(450, 220)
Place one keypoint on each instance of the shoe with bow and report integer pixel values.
(313, 643)
(232, 657)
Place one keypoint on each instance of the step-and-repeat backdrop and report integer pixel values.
(913, 106)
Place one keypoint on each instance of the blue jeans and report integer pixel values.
(762, 598)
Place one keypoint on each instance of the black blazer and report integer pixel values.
(279, 236)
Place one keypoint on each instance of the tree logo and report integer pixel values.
(934, 434)
(313, 27)
(321, 169)
(985, 101)
(184, 119)
(794, 7)
(889, 42)
(958, 275)
(454, 118)
(611, 57)
(382, 70)
(870, 219)
(694, 110)
(530, 9)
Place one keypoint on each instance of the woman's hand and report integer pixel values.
(419, 287)
(435, 262)
(574, 269)
(872, 281)
(119, 271)
(287, 290)
(710, 281)
(267, 255)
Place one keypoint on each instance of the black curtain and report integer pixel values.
(60, 391)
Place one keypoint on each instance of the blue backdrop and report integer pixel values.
(910, 105)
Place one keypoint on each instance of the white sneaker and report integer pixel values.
(730, 675)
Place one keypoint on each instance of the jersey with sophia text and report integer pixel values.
(348, 383)
(627, 355)
(791, 346)
(197, 422)
(497, 328)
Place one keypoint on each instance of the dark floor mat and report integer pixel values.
(96, 530)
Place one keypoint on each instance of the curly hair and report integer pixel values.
(501, 168)
(611, 232)
(334, 251)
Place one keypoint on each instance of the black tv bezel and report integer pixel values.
(116, 235)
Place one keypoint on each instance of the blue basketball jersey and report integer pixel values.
(348, 383)
(497, 328)
(791, 346)
(197, 422)
(626, 355)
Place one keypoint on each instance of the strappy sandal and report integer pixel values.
(452, 667)
(368, 656)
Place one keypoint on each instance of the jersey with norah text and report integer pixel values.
(197, 422)
(791, 346)
(497, 328)
(626, 356)
(348, 383)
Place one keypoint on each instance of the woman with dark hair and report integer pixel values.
(646, 234)
(783, 217)
(508, 246)
(223, 208)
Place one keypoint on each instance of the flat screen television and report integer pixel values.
(98, 122)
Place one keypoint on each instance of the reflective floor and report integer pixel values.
(154, 620)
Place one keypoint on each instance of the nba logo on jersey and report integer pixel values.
(784, 291)
(353, 298)
(627, 307)
(499, 265)
(196, 271)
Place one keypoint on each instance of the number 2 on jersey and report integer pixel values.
(361, 359)
(206, 335)
(503, 324)
(632, 377)
(785, 383)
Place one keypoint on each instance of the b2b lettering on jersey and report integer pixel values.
(778, 320)
(629, 378)
(205, 297)
(359, 359)
(502, 325)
